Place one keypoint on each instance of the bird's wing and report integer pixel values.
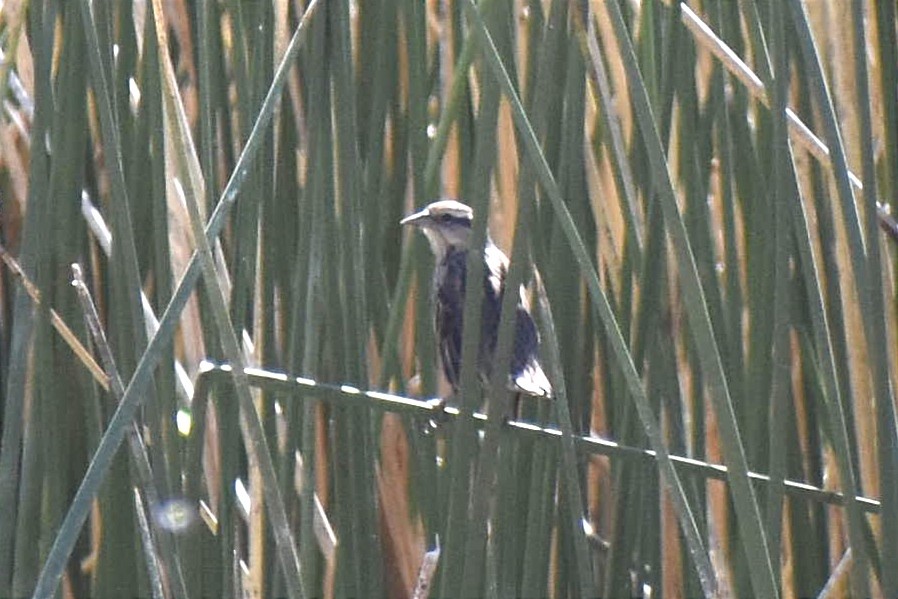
(526, 373)
(496, 267)
(532, 381)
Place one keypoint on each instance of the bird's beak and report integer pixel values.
(417, 219)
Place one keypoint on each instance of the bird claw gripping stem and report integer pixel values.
(439, 416)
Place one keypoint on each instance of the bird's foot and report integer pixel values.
(438, 414)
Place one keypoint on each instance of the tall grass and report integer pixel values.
(695, 195)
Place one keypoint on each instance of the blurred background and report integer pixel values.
(704, 188)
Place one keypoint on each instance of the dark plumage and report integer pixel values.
(447, 225)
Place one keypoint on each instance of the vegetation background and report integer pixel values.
(696, 183)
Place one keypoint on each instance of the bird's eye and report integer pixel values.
(445, 218)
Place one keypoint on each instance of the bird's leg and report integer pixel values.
(514, 413)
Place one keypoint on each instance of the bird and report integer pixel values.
(447, 224)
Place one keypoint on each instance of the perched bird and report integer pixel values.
(447, 225)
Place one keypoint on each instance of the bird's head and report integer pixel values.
(446, 223)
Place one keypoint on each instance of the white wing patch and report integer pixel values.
(497, 267)
(532, 380)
